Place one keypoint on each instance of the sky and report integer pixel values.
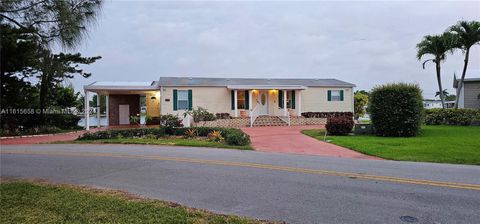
(365, 43)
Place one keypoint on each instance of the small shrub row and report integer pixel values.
(326, 114)
(451, 116)
(231, 136)
(341, 125)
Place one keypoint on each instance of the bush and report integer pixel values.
(169, 122)
(236, 137)
(232, 136)
(215, 136)
(396, 109)
(339, 125)
(451, 116)
(201, 114)
(124, 133)
(222, 115)
(326, 114)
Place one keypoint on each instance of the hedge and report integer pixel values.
(339, 125)
(326, 114)
(451, 116)
(232, 136)
(396, 109)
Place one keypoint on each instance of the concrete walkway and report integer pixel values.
(289, 139)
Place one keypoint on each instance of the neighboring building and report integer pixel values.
(470, 93)
(238, 97)
(431, 104)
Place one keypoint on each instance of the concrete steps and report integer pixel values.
(263, 121)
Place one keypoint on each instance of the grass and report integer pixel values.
(28, 202)
(166, 141)
(438, 144)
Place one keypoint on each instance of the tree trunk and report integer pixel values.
(460, 84)
(439, 79)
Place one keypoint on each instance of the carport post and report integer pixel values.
(107, 110)
(235, 97)
(98, 110)
(285, 103)
(87, 111)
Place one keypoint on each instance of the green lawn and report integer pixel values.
(166, 141)
(439, 144)
(26, 202)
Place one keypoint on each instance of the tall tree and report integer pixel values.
(55, 68)
(444, 92)
(468, 34)
(437, 46)
(53, 21)
(360, 103)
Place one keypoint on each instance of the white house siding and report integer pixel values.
(218, 100)
(314, 99)
(214, 99)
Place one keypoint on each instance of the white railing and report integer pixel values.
(253, 115)
(283, 118)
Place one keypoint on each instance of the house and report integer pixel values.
(431, 104)
(244, 99)
(469, 96)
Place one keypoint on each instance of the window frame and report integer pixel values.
(336, 95)
(179, 93)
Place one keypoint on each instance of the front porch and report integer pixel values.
(273, 105)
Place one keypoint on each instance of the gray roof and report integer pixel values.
(200, 81)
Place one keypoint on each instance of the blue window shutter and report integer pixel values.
(233, 99)
(329, 95)
(190, 103)
(280, 98)
(174, 99)
(247, 100)
(292, 100)
(341, 95)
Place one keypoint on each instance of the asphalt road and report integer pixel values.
(291, 188)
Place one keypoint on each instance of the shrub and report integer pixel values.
(124, 133)
(339, 125)
(396, 109)
(201, 114)
(451, 116)
(191, 133)
(232, 136)
(169, 122)
(215, 136)
(237, 137)
(326, 114)
(222, 115)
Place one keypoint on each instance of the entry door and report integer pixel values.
(124, 114)
(263, 102)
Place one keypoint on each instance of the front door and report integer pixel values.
(262, 101)
(124, 114)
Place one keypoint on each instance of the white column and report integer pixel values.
(107, 110)
(299, 103)
(98, 110)
(250, 99)
(235, 97)
(285, 103)
(87, 110)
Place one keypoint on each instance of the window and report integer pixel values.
(335, 95)
(182, 100)
(241, 100)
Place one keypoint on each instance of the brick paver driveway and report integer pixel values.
(289, 139)
(44, 138)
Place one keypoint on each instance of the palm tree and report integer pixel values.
(444, 92)
(468, 34)
(437, 46)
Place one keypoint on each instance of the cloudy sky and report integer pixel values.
(366, 43)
